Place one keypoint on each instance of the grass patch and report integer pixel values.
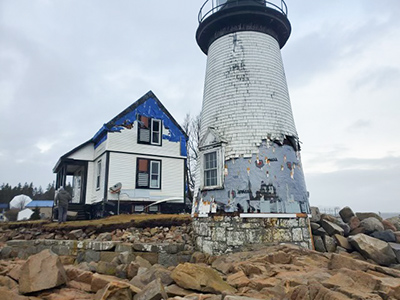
(122, 221)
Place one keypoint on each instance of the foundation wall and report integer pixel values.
(218, 235)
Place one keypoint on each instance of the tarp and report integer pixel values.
(24, 214)
(20, 201)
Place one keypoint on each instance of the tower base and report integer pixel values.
(217, 235)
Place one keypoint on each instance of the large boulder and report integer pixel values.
(354, 223)
(365, 215)
(117, 290)
(153, 291)
(386, 236)
(315, 214)
(41, 272)
(346, 214)
(372, 248)
(200, 278)
(332, 228)
(156, 271)
(388, 225)
(319, 244)
(330, 243)
(395, 221)
(371, 225)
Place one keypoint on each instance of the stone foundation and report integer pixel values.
(218, 235)
(166, 254)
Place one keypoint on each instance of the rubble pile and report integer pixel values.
(278, 272)
(375, 239)
(177, 234)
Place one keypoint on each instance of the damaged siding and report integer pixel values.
(245, 95)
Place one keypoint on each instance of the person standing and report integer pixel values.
(61, 200)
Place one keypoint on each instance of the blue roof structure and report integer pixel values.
(40, 203)
(3, 205)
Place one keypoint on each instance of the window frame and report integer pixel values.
(151, 122)
(220, 168)
(149, 170)
(98, 175)
(208, 178)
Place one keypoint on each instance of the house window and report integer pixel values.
(149, 130)
(98, 175)
(210, 169)
(153, 208)
(139, 208)
(148, 173)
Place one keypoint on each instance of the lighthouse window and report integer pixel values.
(210, 169)
(149, 130)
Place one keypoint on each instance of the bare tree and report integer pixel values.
(191, 126)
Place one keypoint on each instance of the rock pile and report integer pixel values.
(177, 234)
(368, 234)
(279, 272)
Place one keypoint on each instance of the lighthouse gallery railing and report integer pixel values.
(212, 6)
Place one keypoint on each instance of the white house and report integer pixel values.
(136, 162)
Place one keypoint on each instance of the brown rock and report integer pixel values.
(99, 281)
(223, 264)
(200, 278)
(133, 267)
(15, 272)
(7, 294)
(357, 230)
(237, 280)
(8, 282)
(153, 291)
(354, 223)
(77, 274)
(388, 225)
(106, 268)
(343, 242)
(365, 215)
(371, 248)
(315, 291)
(40, 272)
(156, 271)
(77, 285)
(175, 290)
(66, 294)
(117, 290)
(339, 261)
(346, 214)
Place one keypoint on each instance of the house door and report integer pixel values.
(77, 187)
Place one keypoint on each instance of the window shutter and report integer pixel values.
(144, 129)
(143, 173)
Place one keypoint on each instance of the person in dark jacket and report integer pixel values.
(61, 201)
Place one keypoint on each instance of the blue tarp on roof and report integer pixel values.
(3, 205)
(40, 203)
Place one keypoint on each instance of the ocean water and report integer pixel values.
(386, 215)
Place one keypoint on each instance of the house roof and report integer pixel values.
(40, 203)
(128, 116)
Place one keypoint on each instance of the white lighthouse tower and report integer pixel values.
(249, 149)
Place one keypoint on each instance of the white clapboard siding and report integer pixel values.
(246, 98)
(98, 193)
(85, 153)
(123, 169)
(126, 141)
(90, 190)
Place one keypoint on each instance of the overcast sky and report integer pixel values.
(68, 66)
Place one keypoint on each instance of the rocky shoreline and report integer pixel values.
(356, 258)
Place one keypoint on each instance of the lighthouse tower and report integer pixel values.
(249, 159)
